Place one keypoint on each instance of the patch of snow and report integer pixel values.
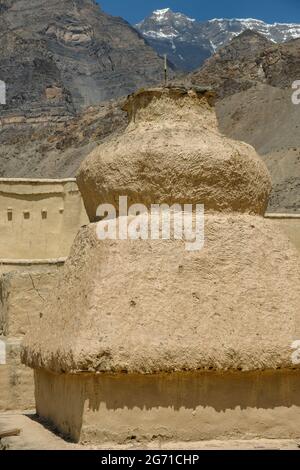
(160, 34)
(160, 14)
(213, 46)
(184, 17)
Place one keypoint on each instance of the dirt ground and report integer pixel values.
(38, 436)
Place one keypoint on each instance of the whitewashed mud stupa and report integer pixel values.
(144, 339)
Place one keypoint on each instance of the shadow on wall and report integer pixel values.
(184, 405)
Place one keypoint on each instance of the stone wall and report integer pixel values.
(22, 296)
(39, 218)
(16, 380)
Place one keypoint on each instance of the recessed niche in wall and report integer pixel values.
(44, 214)
(61, 210)
(26, 214)
(9, 215)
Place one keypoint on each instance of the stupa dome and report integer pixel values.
(172, 152)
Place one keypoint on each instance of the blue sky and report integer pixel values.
(268, 10)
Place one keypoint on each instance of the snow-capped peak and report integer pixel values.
(182, 36)
(161, 12)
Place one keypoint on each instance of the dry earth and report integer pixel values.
(36, 436)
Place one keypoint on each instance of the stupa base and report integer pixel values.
(179, 407)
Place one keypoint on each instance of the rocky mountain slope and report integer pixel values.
(56, 150)
(248, 59)
(253, 78)
(59, 56)
(189, 42)
(265, 117)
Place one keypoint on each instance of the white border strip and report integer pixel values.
(37, 180)
(28, 262)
